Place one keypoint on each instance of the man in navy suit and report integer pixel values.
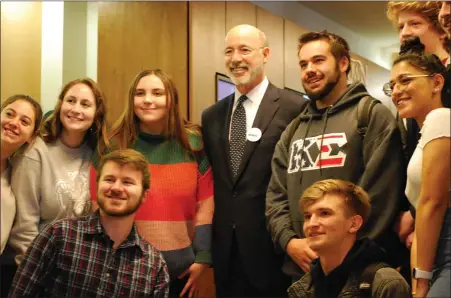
(240, 133)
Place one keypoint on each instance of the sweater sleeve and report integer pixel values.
(277, 208)
(384, 177)
(205, 210)
(26, 185)
(93, 166)
(93, 187)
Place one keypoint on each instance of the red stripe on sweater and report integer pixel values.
(92, 182)
(205, 186)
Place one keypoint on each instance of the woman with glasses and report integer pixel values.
(417, 79)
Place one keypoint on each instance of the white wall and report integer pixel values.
(74, 45)
(52, 53)
(92, 39)
(69, 46)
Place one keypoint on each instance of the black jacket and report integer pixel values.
(241, 202)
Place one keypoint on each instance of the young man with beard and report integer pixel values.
(334, 211)
(101, 254)
(240, 133)
(325, 142)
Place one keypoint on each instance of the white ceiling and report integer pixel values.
(366, 18)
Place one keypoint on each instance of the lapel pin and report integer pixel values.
(254, 134)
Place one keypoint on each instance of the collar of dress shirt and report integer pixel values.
(255, 95)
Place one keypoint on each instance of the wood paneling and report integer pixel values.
(292, 71)
(207, 33)
(272, 26)
(21, 24)
(141, 35)
(240, 13)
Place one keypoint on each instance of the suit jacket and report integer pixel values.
(240, 204)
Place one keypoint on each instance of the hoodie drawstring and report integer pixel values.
(303, 144)
(322, 138)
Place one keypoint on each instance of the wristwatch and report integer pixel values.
(417, 273)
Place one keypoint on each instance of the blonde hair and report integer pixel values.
(427, 9)
(356, 199)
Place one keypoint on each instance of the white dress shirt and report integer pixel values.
(251, 104)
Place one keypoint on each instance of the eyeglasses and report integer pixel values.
(402, 81)
(243, 51)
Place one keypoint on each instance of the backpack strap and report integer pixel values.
(364, 110)
(367, 278)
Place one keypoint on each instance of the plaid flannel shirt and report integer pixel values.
(75, 258)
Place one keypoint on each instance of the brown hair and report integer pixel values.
(37, 116)
(412, 51)
(96, 135)
(128, 157)
(427, 9)
(356, 200)
(125, 130)
(338, 45)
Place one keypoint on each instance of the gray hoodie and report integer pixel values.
(327, 145)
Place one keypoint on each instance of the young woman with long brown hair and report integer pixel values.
(51, 180)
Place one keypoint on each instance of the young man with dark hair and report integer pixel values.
(101, 255)
(334, 211)
(343, 133)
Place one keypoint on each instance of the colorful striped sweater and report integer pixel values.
(177, 215)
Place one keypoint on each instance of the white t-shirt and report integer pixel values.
(436, 125)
